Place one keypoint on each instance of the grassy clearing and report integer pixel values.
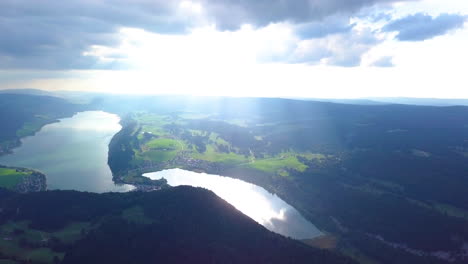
(158, 155)
(211, 155)
(29, 128)
(163, 143)
(278, 165)
(216, 139)
(155, 130)
(10, 240)
(149, 118)
(9, 178)
(159, 150)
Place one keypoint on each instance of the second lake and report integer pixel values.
(265, 208)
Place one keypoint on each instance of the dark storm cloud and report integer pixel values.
(328, 26)
(51, 34)
(54, 34)
(230, 14)
(422, 26)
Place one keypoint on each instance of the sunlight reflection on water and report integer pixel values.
(265, 208)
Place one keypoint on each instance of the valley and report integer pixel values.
(380, 183)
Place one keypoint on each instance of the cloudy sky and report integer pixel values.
(273, 48)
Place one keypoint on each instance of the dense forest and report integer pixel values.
(176, 225)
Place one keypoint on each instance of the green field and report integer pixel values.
(212, 155)
(164, 144)
(12, 233)
(29, 128)
(278, 165)
(158, 142)
(9, 177)
(158, 155)
(159, 150)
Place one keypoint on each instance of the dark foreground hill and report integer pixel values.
(176, 225)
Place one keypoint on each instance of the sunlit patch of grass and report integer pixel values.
(212, 155)
(215, 138)
(163, 143)
(155, 130)
(29, 128)
(159, 150)
(150, 118)
(9, 178)
(278, 164)
(158, 155)
(10, 240)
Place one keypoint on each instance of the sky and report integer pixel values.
(267, 48)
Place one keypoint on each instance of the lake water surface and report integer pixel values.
(265, 208)
(72, 153)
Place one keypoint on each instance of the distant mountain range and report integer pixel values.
(393, 100)
(85, 96)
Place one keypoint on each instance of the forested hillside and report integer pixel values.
(23, 115)
(176, 225)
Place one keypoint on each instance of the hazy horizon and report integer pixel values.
(370, 98)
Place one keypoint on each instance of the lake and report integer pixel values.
(265, 208)
(72, 153)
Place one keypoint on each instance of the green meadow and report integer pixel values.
(10, 177)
